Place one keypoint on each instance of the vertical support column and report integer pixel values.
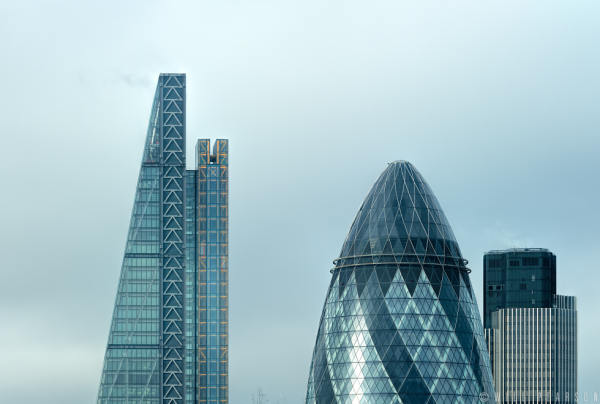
(222, 160)
(190, 310)
(202, 162)
(172, 125)
(213, 267)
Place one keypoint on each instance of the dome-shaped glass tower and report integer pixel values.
(400, 322)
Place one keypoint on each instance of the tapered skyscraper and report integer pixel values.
(400, 322)
(168, 340)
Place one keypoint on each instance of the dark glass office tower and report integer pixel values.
(168, 336)
(519, 277)
(400, 322)
(531, 332)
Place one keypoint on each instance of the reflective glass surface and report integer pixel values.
(519, 278)
(190, 287)
(132, 362)
(400, 322)
(213, 269)
(144, 360)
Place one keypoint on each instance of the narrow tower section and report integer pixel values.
(213, 266)
(172, 128)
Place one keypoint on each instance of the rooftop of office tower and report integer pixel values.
(518, 251)
(400, 219)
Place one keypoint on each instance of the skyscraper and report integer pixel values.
(531, 332)
(212, 319)
(169, 333)
(400, 322)
(519, 277)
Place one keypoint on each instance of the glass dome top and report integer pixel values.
(400, 217)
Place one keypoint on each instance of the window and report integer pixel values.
(531, 261)
(495, 262)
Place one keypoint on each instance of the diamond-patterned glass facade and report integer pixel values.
(400, 322)
(169, 333)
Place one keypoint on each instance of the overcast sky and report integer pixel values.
(496, 103)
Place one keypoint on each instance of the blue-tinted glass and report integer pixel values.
(171, 310)
(134, 367)
(400, 323)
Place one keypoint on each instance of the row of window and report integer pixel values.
(144, 235)
(151, 222)
(145, 393)
(213, 289)
(212, 340)
(136, 326)
(137, 353)
(143, 196)
(151, 182)
(212, 328)
(134, 247)
(517, 262)
(139, 287)
(148, 274)
(212, 237)
(212, 198)
(212, 211)
(133, 365)
(142, 209)
(143, 313)
(211, 223)
(141, 262)
(212, 301)
(127, 339)
(212, 250)
(212, 314)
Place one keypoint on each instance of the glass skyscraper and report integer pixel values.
(400, 322)
(519, 277)
(168, 340)
(531, 332)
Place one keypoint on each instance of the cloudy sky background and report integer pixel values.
(496, 103)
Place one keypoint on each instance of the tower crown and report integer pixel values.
(400, 219)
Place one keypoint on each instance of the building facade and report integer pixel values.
(400, 322)
(534, 353)
(532, 332)
(519, 277)
(168, 338)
